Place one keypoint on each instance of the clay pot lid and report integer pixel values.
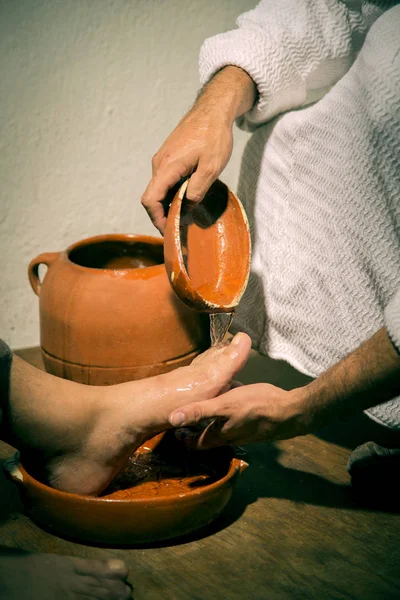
(207, 251)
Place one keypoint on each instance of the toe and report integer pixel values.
(225, 360)
(103, 589)
(211, 353)
(241, 341)
(111, 569)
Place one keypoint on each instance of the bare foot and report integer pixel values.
(80, 435)
(26, 576)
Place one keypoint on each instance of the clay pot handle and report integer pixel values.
(47, 258)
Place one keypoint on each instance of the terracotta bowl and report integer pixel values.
(144, 518)
(207, 251)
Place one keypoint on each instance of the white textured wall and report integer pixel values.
(89, 89)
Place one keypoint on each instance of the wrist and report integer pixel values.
(319, 405)
(230, 93)
(285, 411)
(298, 411)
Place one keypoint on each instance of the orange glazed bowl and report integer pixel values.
(154, 509)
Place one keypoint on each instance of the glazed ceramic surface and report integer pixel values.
(108, 314)
(144, 513)
(208, 250)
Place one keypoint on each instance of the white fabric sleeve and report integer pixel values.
(392, 319)
(294, 50)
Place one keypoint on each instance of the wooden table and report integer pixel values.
(291, 530)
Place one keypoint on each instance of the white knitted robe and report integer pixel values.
(321, 181)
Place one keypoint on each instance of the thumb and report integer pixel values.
(200, 182)
(194, 413)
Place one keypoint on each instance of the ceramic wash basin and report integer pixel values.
(153, 509)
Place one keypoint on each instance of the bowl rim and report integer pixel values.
(115, 237)
(24, 479)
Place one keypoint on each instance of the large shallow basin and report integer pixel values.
(151, 510)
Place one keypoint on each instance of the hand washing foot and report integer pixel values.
(76, 437)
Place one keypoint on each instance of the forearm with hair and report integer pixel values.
(230, 90)
(368, 376)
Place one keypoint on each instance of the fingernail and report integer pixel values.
(116, 565)
(177, 419)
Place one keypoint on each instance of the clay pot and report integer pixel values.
(140, 519)
(108, 314)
